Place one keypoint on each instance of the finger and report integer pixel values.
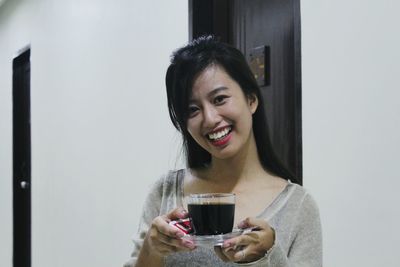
(231, 254)
(253, 222)
(234, 243)
(181, 244)
(165, 249)
(220, 253)
(178, 213)
(157, 244)
(163, 227)
(240, 256)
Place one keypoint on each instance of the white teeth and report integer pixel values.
(219, 134)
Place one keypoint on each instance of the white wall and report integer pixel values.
(351, 127)
(100, 127)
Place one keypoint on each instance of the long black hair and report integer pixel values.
(186, 64)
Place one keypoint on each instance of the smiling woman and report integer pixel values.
(214, 101)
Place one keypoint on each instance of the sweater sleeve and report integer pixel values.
(151, 209)
(306, 247)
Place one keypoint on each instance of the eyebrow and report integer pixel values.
(217, 90)
(212, 93)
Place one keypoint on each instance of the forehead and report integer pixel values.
(211, 78)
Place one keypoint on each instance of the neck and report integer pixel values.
(243, 166)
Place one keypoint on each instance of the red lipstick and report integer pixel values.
(223, 141)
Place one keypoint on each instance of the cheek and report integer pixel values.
(241, 112)
(192, 129)
(189, 127)
(246, 120)
(195, 134)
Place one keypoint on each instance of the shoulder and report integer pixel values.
(168, 183)
(164, 192)
(300, 195)
(170, 178)
(302, 201)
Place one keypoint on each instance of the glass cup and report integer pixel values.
(212, 213)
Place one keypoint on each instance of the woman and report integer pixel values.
(215, 103)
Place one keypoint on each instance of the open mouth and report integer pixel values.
(216, 136)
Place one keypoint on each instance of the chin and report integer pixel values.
(225, 153)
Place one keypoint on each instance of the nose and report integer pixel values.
(211, 117)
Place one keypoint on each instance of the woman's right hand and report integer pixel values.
(165, 239)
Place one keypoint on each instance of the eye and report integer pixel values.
(192, 111)
(220, 100)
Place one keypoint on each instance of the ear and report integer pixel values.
(252, 101)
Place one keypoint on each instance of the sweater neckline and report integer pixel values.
(269, 211)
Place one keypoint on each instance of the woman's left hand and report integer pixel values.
(248, 247)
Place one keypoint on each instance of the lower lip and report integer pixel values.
(222, 141)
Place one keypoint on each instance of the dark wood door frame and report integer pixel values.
(211, 17)
(21, 160)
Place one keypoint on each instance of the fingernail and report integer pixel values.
(184, 212)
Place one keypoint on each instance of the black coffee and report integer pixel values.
(212, 219)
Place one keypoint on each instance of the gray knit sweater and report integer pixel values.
(293, 214)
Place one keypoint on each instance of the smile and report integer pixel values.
(220, 134)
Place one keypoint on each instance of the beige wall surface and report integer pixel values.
(351, 127)
(101, 133)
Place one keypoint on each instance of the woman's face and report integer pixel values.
(220, 116)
